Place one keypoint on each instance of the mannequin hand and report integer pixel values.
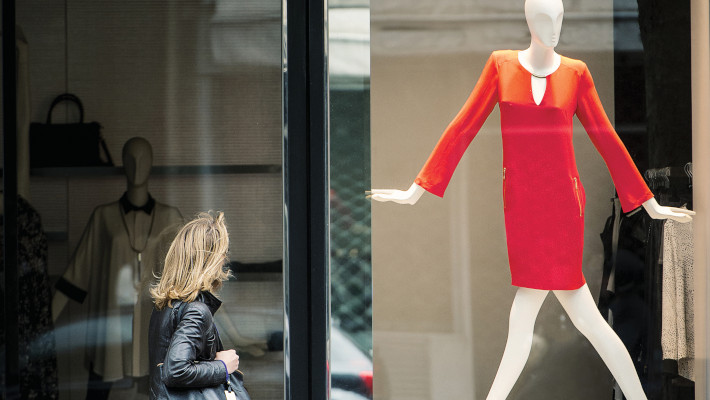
(230, 358)
(657, 211)
(409, 196)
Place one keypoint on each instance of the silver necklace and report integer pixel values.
(139, 252)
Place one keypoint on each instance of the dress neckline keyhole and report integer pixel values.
(542, 81)
(538, 86)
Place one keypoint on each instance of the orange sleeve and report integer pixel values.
(437, 172)
(630, 186)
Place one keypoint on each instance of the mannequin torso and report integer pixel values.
(137, 163)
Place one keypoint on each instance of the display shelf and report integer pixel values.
(271, 267)
(159, 170)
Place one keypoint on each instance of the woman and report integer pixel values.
(185, 349)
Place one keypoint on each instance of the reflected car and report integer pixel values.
(350, 368)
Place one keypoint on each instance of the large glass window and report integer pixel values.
(187, 99)
(442, 270)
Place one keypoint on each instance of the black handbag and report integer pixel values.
(232, 390)
(67, 145)
(236, 385)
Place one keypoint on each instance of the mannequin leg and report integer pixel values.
(583, 312)
(520, 334)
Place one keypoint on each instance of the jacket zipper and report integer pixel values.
(579, 200)
(504, 185)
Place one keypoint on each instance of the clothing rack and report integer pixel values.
(632, 283)
(661, 177)
(672, 186)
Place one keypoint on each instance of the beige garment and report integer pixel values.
(677, 337)
(104, 268)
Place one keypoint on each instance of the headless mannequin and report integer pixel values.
(137, 162)
(544, 18)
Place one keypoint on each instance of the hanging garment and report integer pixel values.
(543, 198)
(623, 296)
(677, 335)
(113, 278)
(38, 358)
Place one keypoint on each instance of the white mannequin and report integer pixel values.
(137, 163)
(544, 18)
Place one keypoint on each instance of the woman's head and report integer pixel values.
(196, 261)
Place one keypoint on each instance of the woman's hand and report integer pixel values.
(230, 358)
(409, 196)
(657, 211)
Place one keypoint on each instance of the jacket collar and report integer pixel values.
(212, 302)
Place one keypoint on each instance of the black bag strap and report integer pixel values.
(105, 148)
(178, 307)
(66, 97)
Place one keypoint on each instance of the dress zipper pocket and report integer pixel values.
(504, 185)
(579, 199)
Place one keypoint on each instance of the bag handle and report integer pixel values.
(66, 97)
(102, 142)
(177, 308)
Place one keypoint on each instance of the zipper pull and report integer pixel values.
(579, 199)
(504, 185)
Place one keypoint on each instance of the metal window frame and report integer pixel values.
(305, 151)
(10, 291)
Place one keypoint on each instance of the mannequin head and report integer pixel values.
(137, 161)
(544, 19)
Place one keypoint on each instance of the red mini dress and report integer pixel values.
(543, 197)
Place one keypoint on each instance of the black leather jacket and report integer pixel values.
(182, 354)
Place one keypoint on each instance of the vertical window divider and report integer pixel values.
(10, 298)
(305, 152)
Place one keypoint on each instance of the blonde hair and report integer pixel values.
(196, 261)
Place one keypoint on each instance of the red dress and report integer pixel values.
(543, 198)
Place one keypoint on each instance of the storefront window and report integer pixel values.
(187, 99)
(442, 269)
(134, 116)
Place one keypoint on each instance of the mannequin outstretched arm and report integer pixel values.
(657, 211)
(439, 168)
(409, 196)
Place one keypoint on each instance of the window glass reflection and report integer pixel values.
(187, 97)
(351, 367)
